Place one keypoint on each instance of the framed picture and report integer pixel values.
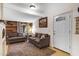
(43, 22)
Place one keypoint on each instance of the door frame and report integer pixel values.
(70, 23)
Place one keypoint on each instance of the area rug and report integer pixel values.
(27, 49)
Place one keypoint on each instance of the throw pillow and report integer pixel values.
(42, 37)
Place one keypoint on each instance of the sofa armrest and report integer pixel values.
(45, 41)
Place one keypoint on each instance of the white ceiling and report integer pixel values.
(24, 7)
(40, 6)
(42, 9)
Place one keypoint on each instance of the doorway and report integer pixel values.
(62, 31)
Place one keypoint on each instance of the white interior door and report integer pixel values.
(62, 28)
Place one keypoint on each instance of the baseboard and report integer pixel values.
(62, 50)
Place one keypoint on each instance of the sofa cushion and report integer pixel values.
(46, 35)
(33, 35)
(12, 34)
(39, 35)
(16, 38)
(20, 34)
(33, 38)
(37, 40)
(36, 34)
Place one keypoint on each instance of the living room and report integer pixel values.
(31, 28)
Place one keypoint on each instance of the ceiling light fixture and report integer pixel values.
(32, 6)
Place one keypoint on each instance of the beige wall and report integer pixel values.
(52, 11)
(75, 37)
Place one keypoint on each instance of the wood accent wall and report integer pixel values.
(11, 26)
(77, 25)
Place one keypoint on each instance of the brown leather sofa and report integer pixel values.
(39, 41)
(15, 37)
